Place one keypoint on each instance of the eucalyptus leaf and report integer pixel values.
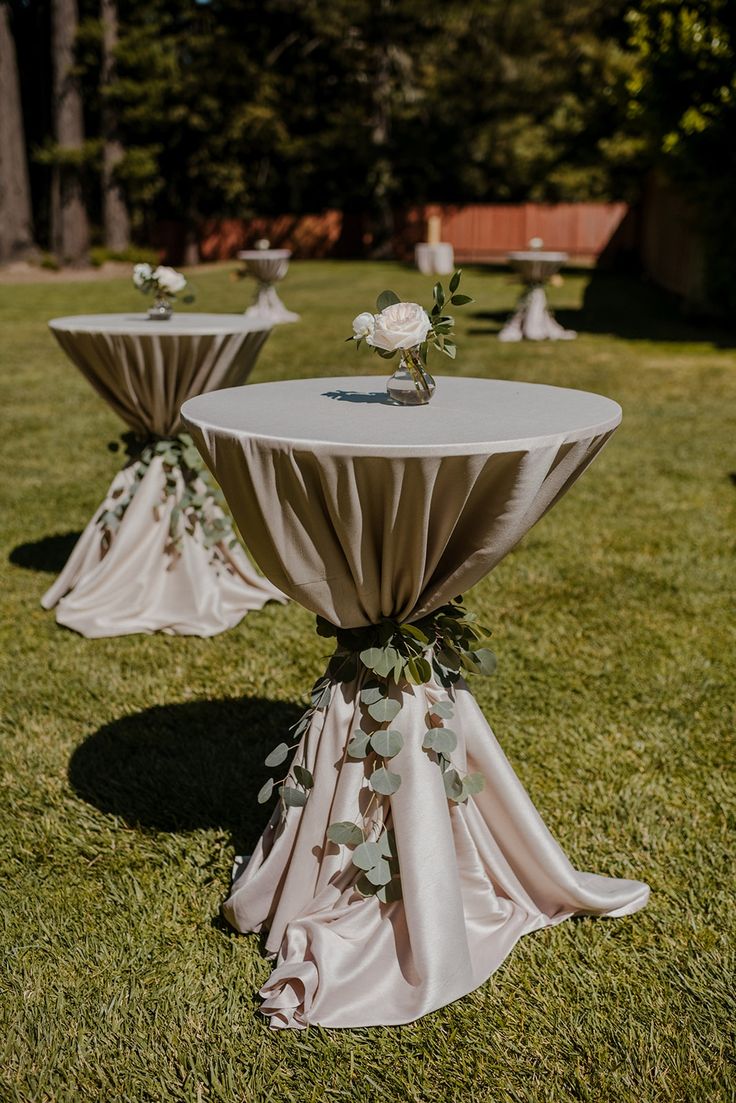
(455, 280)
(486, 660)
(441, 740)
(460, 300)
(442, 709)
(387, 742)
(473, 783)
(386, 298)
(385, 710)
(380, 873)
(420, 670)
(415, 633)
(387, 661)
(278, 755)
(303, 776)
(371, 656)
(449, 658)
(439, 295)
(293, 798)
(369, 695)
(469, 662)
(301, 725)
(453, 785)
(386, 844)
(264, 793)
(321, 697)
(358, 745)
(367, 855)
(387, 894)
(385, 782)
(345, 833)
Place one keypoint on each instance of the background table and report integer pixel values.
(360, 511)
(532, 320)
(268, 267)
(130, 579)
(434, 258)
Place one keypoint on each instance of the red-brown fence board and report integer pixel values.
(480, 232)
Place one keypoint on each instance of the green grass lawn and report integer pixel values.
(130, 766)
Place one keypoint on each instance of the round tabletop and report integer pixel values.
(539, 254)
(264, 254)
(353, 415)
(140, 325)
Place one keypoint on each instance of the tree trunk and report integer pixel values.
(69, 223)
(114, 209)
(16, 235)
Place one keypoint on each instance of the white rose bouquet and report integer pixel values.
(407, 328)
(165, 284)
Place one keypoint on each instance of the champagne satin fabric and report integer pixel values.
(358, 531)
(144, 370)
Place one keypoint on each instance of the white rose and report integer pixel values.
(401, 326)
(142, 274)
(169, 279)
(364, 325)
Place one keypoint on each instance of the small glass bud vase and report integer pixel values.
(160, 310)
(411, 384)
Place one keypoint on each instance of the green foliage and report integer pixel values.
(237, 107)
(193, 501)
(683, 105)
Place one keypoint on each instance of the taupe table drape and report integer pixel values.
(360, 511)
(134, 582)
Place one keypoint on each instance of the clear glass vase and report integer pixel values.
(411, 384)
(160, 310)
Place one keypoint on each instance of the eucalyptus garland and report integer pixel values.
(196, 504)
(389, 656)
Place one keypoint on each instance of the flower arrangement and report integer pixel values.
(165, 284)
(407, 328)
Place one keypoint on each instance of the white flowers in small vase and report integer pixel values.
(408, 329)
(165, 284)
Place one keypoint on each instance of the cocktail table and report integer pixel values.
(404, 858)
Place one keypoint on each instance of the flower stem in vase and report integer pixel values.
(411, 384)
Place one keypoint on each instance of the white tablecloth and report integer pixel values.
(362, 511)
(133, 582)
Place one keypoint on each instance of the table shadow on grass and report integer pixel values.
(609, 308)
(185, 767)
(48, 554)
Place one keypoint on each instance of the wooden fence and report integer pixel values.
(659, 231)
(480, 233)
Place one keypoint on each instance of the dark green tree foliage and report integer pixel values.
(683, 103)
(233, 106)
(237, 107)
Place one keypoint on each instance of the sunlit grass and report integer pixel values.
(129, 766)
